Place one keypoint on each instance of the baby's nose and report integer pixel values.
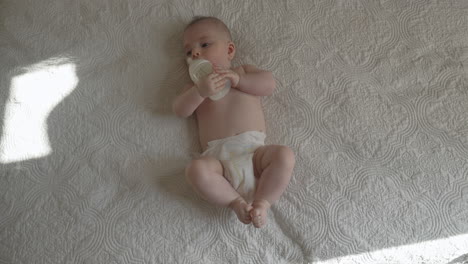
(196, 54)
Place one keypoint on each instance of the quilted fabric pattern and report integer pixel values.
(371, 95)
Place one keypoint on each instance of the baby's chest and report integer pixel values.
(235, 103)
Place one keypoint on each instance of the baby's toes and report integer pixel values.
(257, 221)
(255, 215)
(247, 220)
(254, 212)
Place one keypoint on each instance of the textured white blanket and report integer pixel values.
(372, 95)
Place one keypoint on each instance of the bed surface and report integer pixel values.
(372, 96)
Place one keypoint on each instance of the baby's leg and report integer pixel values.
(274, 165)
(206, 177)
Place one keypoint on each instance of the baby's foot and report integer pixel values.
(242, 209)
(259, 212)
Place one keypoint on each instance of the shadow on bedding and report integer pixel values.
(460, 260)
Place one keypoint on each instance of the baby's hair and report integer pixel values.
(214, 20)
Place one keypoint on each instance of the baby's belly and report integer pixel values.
(234, 114)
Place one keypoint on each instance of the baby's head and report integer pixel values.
(209, 38)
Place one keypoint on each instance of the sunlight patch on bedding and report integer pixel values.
(33, 96)
(434, 251)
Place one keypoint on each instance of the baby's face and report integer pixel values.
(205, 40)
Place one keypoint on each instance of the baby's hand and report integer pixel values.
(229, 74)
(210, 84)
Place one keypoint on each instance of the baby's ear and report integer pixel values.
(231, 50)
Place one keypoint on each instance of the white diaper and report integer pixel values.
(236, 154)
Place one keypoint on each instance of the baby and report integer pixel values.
(236, 169)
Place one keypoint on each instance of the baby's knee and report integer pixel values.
(196, 170)
(286, 155)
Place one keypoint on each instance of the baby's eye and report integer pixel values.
(204, 45)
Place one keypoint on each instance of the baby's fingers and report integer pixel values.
(215, 76)
(220, 82)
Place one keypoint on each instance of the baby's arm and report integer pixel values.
(186, 103)
(251, 80)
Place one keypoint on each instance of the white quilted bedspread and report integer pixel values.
(372, 95)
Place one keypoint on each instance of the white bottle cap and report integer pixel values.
(199, 68)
